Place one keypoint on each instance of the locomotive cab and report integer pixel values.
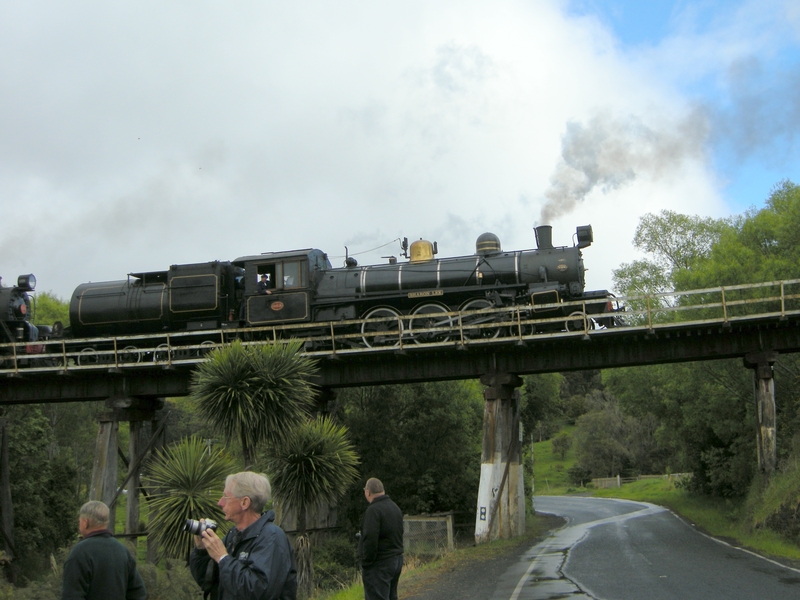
(289, 277)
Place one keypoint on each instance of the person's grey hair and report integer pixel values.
(95, 513)
(374, 486)
(253, 485)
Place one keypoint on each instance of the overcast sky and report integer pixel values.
(136, 135)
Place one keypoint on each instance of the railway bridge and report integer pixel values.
(754, 322)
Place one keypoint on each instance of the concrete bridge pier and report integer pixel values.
(501, 495)
(104, 471)
(764, 386)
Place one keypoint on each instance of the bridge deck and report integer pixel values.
(696, 325)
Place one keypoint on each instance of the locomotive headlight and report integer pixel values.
(27, 282)
(584, 235)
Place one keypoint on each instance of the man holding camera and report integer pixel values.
(255, 560)
(99, 567)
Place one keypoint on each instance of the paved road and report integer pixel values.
(622, 550)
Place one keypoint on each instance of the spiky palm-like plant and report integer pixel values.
(188, 479)
(255, 393)
(314, 464)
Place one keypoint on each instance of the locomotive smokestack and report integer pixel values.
(544, 237)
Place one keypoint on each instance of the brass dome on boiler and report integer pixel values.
(421, 251)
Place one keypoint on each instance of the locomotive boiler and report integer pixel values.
(415, 298)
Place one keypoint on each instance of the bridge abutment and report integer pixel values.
(764, 387)
(501, 495)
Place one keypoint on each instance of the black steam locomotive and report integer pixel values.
(415, 297)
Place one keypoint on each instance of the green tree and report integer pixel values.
(255, 394)
(45, 509)
(73, 439)
(600, 442)
(541, 405)
(422, 440)
(762, 245)
(188, 480)
(700, 418)
(315, 464)
(561, 445)
(49, 308)
(672, 242)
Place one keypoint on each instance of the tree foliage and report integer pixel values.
(45, 509)
(762, 245)
(423, 441)
(50, 308)
(316, 463)
(561, 445)
(672, 243)
(700, 416)
(541, 406)
(188, 480)
(255, 393)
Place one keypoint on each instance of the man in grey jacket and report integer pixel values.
(381, 544)
(255, 560)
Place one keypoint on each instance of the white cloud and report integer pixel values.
(142, 135)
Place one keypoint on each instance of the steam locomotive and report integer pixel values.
(303, 287)
(415, 298)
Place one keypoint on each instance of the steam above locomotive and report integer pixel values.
(301, 286)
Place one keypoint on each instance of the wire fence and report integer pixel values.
(612, 482)
(428, 535)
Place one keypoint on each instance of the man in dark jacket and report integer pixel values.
(99, 567)
(255, 560)
(381, 544)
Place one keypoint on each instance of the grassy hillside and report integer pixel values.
(549, 470)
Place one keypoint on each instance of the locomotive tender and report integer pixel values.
(305, 288)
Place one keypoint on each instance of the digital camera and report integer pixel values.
(198, 527)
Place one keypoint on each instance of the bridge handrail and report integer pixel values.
(520, 324)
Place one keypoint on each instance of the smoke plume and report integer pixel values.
(611, 152)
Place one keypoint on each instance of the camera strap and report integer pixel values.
(211, 579)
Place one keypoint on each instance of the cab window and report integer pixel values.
(292, 275)
(269, 271)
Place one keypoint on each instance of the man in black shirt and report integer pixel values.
(99, 567)
(381, 544)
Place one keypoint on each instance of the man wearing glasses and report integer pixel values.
(255, 560)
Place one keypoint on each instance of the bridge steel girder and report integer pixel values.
(604, 349)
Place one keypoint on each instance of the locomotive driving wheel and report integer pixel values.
(89, 356)
(130, 354)
(430, 323)
(385, 332)
(477, 325)
(578, 321)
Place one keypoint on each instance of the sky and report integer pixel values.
(137, 135)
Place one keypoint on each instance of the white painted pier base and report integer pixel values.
(501, 495)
